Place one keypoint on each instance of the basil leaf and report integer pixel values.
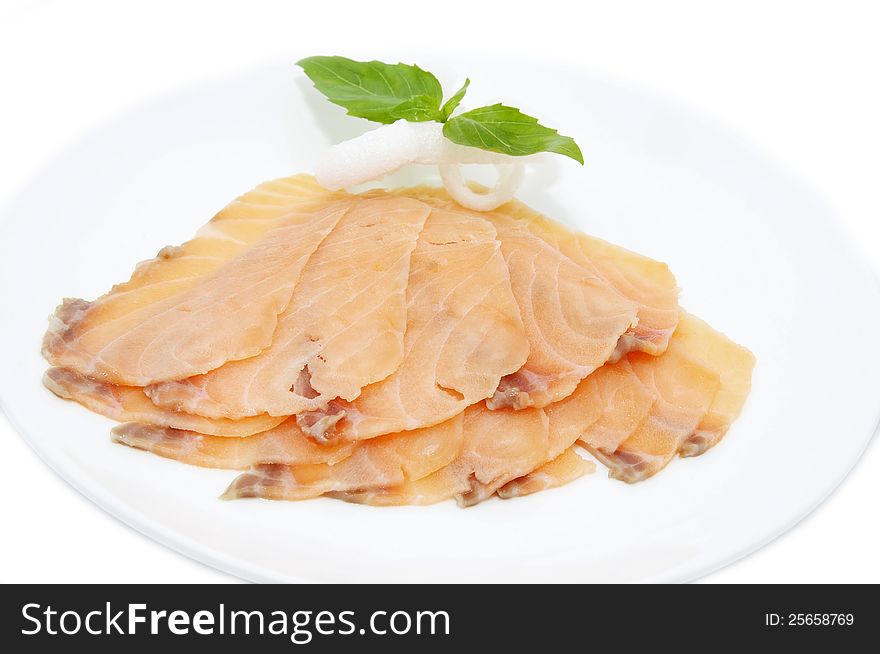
(418, 109)
(374, 90)
(453, 102)
(507, 130)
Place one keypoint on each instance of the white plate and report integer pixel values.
(757, 255)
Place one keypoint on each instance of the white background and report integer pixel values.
(798, 79)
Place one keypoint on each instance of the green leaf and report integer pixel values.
(507, 130)
(453, 102)
(374, 90)
(418, 109)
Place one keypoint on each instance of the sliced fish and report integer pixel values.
(463, 334)
(283, 444)
(618, 399)
(733, 364)
(498, 446)
(342, 330)
(685, 389)
(161, 326)
(643, 280)
(574, 319)
(395, 348)
(566, 467)
(130, 404)
(388, 460)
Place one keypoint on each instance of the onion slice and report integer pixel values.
(509, 178)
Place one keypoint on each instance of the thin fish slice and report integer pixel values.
(641, 279)
(388, 460)
(685, 390)
(463, 334)
(240, 224)
(604, 409)
(566, 467)
(619, 399)
(573, 318)
(498, 446)
(733, 364)
(504, 445)
(228, 314)
(283, 444)
(130, 404)
(342, 330)
(607, 404)
(647, 282)
(650, 404)
(437, 487)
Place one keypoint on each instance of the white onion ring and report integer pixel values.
(509, 178)
(377, 153)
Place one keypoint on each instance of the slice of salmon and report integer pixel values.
(733, 364)
(441, 485)
(573, 318)
(566, 467)
(504, 445)
(643, 280)
(342, 330)
(635, 402)
(498, 446)
(634, 416)
(160, 326)
(463, 334)
(388, 460)
(240, 224)
(130, 404)
(617, 397)
(684, 391)
(283, 444)
(604, 409)
(607, 405)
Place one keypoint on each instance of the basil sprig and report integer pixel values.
(386, 93)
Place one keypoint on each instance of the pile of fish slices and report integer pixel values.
(395, 348)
